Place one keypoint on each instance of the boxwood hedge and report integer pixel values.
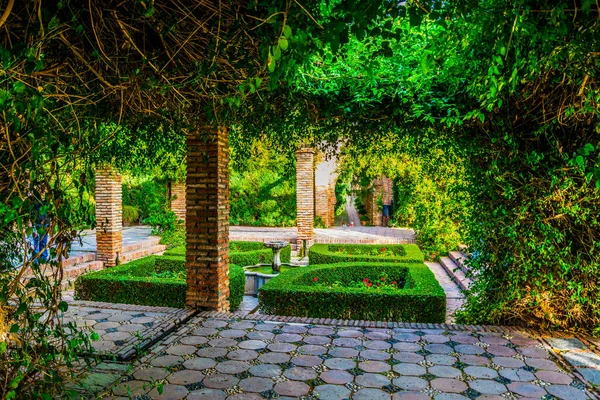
(244, 253)
(319, 291)
(336, 253)
(150, 281)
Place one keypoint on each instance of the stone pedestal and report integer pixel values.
(177, 199)
(207, 219)
(305, 195)
(109, 216)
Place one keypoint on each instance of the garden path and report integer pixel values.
(351, 211)
(237, 356)
(338, 234)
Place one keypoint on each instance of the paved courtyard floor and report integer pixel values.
(338, 234)
(228, 356)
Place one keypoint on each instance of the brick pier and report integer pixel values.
(177, 199)
(109, 216)
(207, 219)
(305, 195)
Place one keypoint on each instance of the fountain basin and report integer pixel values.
(258, 275)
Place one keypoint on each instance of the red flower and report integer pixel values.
(369, 284)
(382, 250)
(393, 283)
(366, 280)
(382, 279)
(315, 279)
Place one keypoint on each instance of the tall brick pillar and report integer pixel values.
(207, 219)
(109, 216)
(305, 195)
(177, 199)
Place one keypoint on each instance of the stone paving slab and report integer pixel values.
(223, 356)
(125, 329)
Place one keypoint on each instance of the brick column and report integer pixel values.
(109, 216)
(177, 199)
(305, 195)
(332, 200)
(207, 219)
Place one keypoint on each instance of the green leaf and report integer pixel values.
(19, 87)
(63, 306)
(53, 24)
(271, 63)
(277, 53)
(3, 347)
(283, 43)
(580, 161)
(287, 31)
(14, 328)
(257, 82)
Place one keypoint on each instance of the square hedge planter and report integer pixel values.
(331, 291)
(337, 253)
(150, 281)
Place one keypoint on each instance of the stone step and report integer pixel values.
(148, 242)
(79, 259)
(141, 252)
(459, 259)
(80, 269)
(455, 272)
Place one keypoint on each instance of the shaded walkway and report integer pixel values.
(231, 356)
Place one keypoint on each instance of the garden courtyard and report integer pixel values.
(300, 199)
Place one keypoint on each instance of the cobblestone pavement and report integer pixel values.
(236, 358)
(123, 328)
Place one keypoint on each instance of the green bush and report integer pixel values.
(321, 291)
(130, 214)
(151, 281)
(244, 253)
(335, 253)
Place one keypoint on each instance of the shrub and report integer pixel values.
(130, 214)
(326, 291)
(244, 253)
(319, 222)
(151, 281)
(335, 253)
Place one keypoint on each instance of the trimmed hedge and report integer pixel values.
(244, 253)
(295, 293)
(132, 283)
(328, 253)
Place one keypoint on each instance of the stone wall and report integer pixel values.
(207, 219)
(109, 216)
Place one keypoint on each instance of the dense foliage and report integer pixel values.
(329, 291)
(263, 187)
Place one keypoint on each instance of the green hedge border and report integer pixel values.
(292, 294)
(321, 254)
(127, 284)
(251, 253)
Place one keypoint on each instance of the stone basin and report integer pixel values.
(258, 275)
